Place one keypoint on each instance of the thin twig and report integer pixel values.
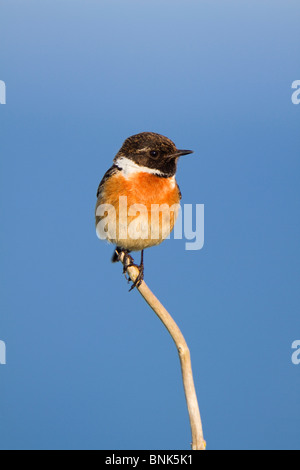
(198, 442)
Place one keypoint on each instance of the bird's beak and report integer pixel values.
(180, 153)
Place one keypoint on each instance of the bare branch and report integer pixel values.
(198, 442)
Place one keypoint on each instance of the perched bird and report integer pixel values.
(138, 197)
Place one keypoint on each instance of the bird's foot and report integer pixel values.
(140, 276)
(128, 262)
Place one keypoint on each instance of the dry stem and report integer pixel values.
(198, 442)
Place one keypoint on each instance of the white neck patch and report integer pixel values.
(128, 167)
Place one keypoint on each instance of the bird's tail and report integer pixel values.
(115, 257)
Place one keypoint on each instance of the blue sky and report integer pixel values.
(89, 366)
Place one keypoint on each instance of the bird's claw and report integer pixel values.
(128, 262)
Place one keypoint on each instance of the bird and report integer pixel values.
(138, 198)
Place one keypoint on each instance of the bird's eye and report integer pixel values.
(153, 153)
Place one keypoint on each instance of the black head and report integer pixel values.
(152, 151)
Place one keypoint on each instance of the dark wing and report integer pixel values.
(112, 171)
(180, 195)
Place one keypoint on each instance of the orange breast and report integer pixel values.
(147, 190)
(141, 188)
